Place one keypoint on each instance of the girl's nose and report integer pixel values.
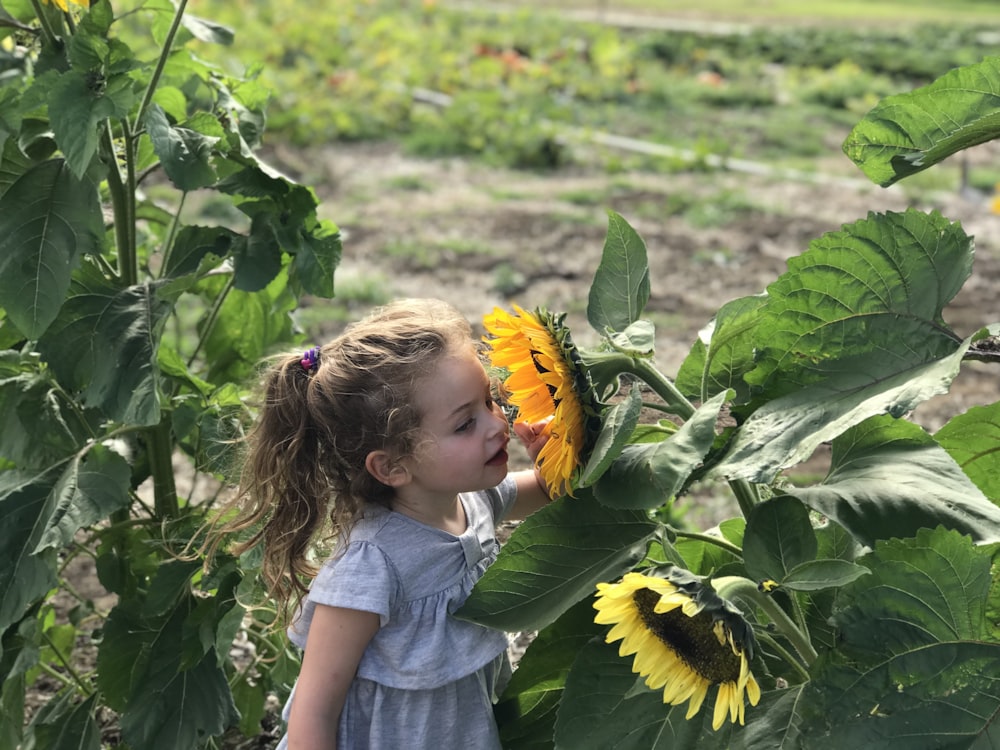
(497, 412)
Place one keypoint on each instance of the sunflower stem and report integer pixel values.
(784, 653)
(661, 384)
(733, 586)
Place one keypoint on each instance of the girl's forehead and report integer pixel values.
(454, 380)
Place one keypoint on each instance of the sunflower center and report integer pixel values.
(691, 638)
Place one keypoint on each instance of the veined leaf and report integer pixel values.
(62, 724)
(90, 489)
(24, 577)
(616, 427)
(866, 300)
(778, 538)
(888, 478)
(620, 289)
(554, 559)
(526, 712)
(774, 723)
(939, 695)
(817, 575)
(185, 153)
(79, 101)
(926, 588)
(606, 706)
(913, 669)
(788, 430)
(104, 344)
(973, 440)
(648, 475)
(317, 259)
(48, 219)
(40, 426)
(724, 352)
(249, 325)
(909, 132)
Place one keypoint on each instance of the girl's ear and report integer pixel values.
(384, 468)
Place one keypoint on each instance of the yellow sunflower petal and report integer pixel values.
(542, 383)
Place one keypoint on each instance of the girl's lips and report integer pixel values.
(499, 458)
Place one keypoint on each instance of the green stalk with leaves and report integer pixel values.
(857, 611)
(124, 330)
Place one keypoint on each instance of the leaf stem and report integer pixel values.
(168, 44)
(47, 31)
(76, 678)
(789, 658)
(168, 242)
(213, 317)
(709, 539)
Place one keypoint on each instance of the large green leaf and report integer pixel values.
(62, 724)
(527, 709)
(555, 558)
(909, 132)
(648, 475)
(620, 288)
(888, 478)
(724, 353)
(41, 425)
(48, 219)
(104, 345)
(79, 101)
(930, 587)
(914, 668)
(866, 301)
(248, 328)
(24, 577)
(317, 258)
(185, 153)
(788, 430)
(773, 724)
(943, 695)
(778, 537)
(606, 706)
(91, 488)
(173, 708)
(617, 424)
(973, 440)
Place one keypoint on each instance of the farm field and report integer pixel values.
(473, 152)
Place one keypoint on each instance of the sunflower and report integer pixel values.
(546, 380)
(685, 638)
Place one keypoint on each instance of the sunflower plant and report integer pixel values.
(861, 610)
(127, 317)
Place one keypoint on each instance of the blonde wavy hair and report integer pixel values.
(304, 479)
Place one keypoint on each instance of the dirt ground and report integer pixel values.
(478, 237)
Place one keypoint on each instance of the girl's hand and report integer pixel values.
(533, 436)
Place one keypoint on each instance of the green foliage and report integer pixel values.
(511, 87)
(107, 380)
(872, 590)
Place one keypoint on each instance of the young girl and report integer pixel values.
(386, 438)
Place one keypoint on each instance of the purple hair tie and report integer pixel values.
(310, 359)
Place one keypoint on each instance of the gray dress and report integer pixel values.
(427, 679)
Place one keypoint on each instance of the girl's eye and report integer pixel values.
(467, 424)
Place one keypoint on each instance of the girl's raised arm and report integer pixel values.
(337, 639)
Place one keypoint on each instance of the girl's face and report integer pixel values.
(465, 435)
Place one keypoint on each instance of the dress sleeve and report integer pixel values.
(501, 498)
(361, 577)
